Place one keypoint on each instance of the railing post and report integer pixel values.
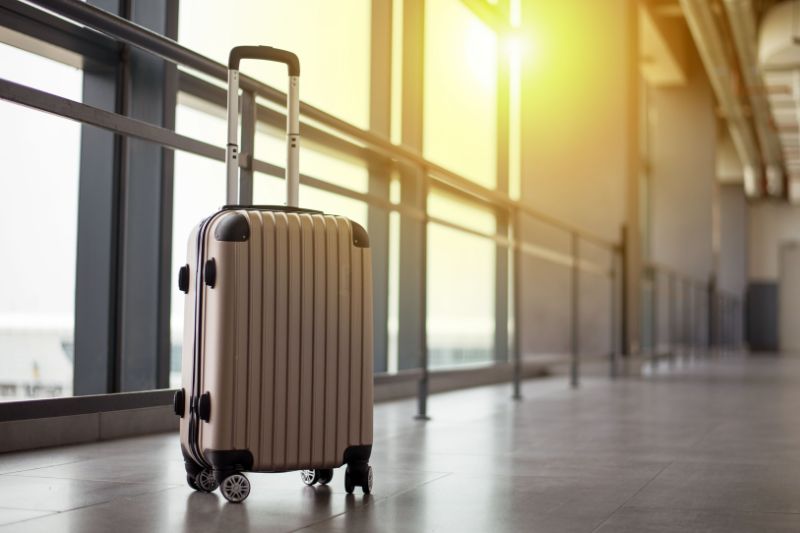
(686, 319)
(737, 324)
(671, 317)
(613, 274)
(654, 313)
(727, 324)
(575, 312)
(692, 318)
(424, 382)
(695, 317)
(516, 284)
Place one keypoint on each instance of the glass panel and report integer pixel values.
(461, 270)
(595, 300)
(515, 119)
(545, 289)
(461, 282)
(328, 166)
(396, 134)
(335, 63)
(460, 130)
(455, 208)
(199, 191)
(37, 308)
(392, 361)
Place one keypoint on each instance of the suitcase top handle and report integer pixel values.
(266, 53)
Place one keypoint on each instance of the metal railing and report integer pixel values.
(355, 142)
(686, 316)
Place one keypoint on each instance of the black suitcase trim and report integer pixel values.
(230, 460)
(194, 416)
(233, 228)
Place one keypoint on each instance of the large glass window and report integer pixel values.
(332, 40)
(315, 161)
(199, 190)
(461, 284)
(40, 194)
(460, 126)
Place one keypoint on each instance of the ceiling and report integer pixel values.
(779, 61)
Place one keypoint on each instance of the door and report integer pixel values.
(789, 298)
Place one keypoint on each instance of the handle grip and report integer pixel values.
(266, 53)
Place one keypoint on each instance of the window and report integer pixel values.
(333, 45)
(199, 190)
(37, 274)
(460, 126)
(461, 284)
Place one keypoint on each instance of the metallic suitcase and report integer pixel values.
(277, 348)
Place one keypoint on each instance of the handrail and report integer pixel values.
(660, 267)
(169, 50)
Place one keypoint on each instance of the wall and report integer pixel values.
(733, 253)
(574, 108)
(770, 226)
(574, 156)
(681, 148)
(682, 157)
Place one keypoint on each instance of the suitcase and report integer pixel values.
(277, 348)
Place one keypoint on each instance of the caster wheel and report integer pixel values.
(205, 481)
(309, 477)
(349, 485)
(235, 488)
(191, 483)
(325, 475)
(366, 486)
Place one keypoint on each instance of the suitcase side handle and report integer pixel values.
(266, 53)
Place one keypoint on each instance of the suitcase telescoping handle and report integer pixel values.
(266, 53)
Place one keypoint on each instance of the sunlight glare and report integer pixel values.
(479, 51)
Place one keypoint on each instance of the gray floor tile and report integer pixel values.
(724, 487)
(709, 445)
(630, 520)
(51, 494)
(10, 516)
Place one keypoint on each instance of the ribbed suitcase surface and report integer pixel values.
(285, 337)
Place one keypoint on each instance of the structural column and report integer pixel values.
(413, 265)
(379, 173)
(146, 233)
(98, 207)
(633, 252)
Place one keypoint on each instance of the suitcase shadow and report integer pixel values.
(210, 512)
(318, 497)
(321, 497)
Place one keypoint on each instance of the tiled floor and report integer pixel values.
(711, 446)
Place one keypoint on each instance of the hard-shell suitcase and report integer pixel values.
(277, 349)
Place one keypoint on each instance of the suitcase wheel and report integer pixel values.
(309, 477)
(205, 482)
(349, 486)
(325, 476)
(322, 476)
(358, 475)
(235, 488)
